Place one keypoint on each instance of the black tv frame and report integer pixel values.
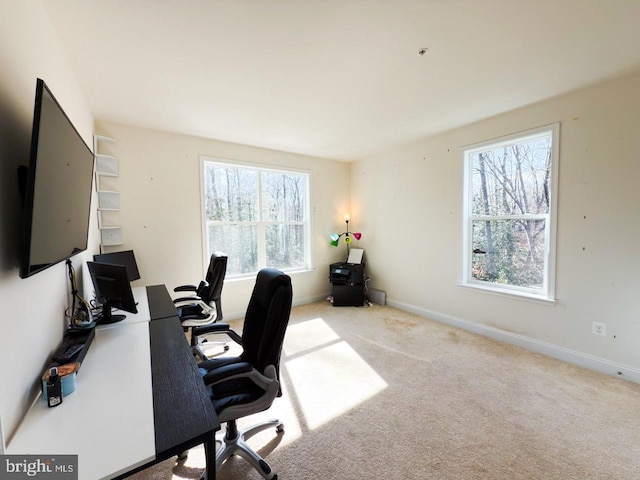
(42, 193)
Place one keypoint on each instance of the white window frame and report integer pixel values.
(260, 224)
(547, 292)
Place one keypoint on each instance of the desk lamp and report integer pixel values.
(335, 238)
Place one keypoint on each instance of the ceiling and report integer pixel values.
(338, 79)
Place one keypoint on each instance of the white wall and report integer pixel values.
(159, 185)
(411, 206)
(32, 320)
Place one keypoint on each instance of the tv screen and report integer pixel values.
(126, 258)
(58, 189)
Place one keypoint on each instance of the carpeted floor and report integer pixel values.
(380, 393)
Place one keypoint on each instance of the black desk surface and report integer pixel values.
(183, 413)
(160, 302)
(184, 416)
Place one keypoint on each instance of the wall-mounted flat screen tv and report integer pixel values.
(58, 188)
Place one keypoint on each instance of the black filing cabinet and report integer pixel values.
(347, 280)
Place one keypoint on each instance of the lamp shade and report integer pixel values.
(348, 236)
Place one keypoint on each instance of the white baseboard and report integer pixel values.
(314, 299)
(228, 316)
(567, 355)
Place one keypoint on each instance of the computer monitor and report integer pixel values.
(113, 290)
(126, 258)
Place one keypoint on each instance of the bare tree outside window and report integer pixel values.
(258, 217)
(509, 208)
(283, 207)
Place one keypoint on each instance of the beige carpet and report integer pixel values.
(379, 393)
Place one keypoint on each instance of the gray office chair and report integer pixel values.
(203, 306)
(248, 384)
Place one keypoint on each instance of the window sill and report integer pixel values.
(529, 297)
(252, 276)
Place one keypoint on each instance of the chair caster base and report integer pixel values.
(183, 455)
(233, 443)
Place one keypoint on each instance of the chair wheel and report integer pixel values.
(226, 348)
(183, 455)
(280, 428)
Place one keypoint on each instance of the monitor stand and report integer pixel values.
(106, 317)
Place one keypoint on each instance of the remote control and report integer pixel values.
(68, 353)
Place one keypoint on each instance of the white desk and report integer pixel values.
(143, 315)
(110, 421)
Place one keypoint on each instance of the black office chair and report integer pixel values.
(204, 306)
(248, 384)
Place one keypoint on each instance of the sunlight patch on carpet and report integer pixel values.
(330, 378)
(308, 335)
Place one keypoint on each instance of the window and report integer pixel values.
(258, 216)
(509, 213)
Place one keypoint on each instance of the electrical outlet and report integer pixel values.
(598, 328)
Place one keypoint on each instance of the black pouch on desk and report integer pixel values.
(54, 388)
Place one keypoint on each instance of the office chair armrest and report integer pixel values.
(213, 328)
(187, 299)
(226, 372)
(217, 328)
(185, 288)
(197, 303)
(268, 382)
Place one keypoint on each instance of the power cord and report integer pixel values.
(80, 317)
(367, 301)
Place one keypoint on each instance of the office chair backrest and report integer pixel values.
(212, 291)
(266, 320)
